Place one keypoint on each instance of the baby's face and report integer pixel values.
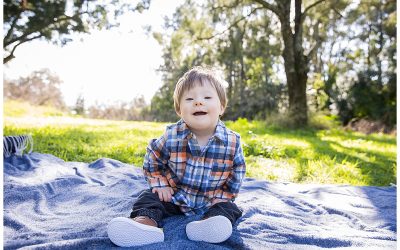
(200, 108)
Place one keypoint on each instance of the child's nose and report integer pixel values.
(198, 103)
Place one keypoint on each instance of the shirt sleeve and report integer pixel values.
(232, 186)
(155, 162)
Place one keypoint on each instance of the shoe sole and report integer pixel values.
(125, 232)
(215, 229)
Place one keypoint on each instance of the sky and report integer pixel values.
(106, 66)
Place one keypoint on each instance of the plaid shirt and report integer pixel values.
(197, 175)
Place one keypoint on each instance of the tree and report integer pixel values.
(56, 20)
(373, 94)
(42, 87)
(296, 61)
(79, 107)
(179, 54)
(360, 63)
(233, 34)
(244, 55)
(247, 55)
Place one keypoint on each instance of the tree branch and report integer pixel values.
(230, 26)
(337, 12)
(317, 39)
(297, 17)
(11, 55)
(269, 6)
(14, 22)
(312, 6)
(46, 25)
(303, 15)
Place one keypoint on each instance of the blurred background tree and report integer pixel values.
(344, 52)
(39, 88)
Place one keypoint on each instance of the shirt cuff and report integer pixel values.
(157, 182)
(225, 196)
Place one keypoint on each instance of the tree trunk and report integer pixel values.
(296, 65)
(242, 77)
(381, 43)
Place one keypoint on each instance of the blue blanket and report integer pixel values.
(52, 204)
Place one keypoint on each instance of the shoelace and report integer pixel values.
(17, 144)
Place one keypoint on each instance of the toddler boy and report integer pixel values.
(196, 167)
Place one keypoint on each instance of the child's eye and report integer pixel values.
(207, 97)
(189, 99)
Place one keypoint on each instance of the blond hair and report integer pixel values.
(200, 75)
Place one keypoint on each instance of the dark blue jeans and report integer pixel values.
(148, 204)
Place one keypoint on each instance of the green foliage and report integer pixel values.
(255, 148)
(362, 82)
(368, 99)
(254, 89)
(55, 21)
(341, 39)
(322, 120)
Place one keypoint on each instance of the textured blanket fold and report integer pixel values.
(52, 204)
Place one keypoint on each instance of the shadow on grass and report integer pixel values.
(381, 172)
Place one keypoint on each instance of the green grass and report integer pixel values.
(272, 152)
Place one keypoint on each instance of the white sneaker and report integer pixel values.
(125, 232)
(215, 229)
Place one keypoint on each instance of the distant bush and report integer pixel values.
(136, 110)
(40, 88)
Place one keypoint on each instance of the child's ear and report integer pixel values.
(222, 111)
(178, 113)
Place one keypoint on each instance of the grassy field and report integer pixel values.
(272, 152)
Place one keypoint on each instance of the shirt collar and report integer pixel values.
(220, 131)
(183, 130)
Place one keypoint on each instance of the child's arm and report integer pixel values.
(230, 189)
(155, 162)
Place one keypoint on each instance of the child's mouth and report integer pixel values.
(199, 113)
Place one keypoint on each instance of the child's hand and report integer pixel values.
(164, 193)
(216, 200)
